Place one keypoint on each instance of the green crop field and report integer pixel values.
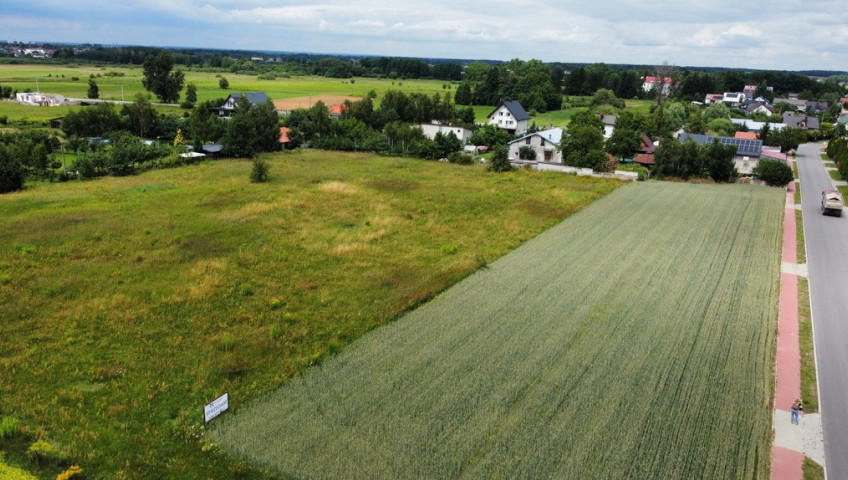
(633, 340)
(128, 303)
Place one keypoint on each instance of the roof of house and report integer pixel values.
(747, 135)
(645, 159)
(757, 126)
(254, 98)
(715, 96)
(553, 135)
(284, 135)
(647, 145)
(794, 121)
(753, 105)
(514, 108)
(843, 120)
(651, 79)
(744, 146)
(608, 119)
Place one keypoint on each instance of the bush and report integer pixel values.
(8, 427)
(460, 158)
(260, 171)
(500, 161)
(12, 172)
(773, 172)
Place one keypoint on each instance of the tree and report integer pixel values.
(463, 94)
(140, 115)
(787, 138)
(717, 159)
(583, 143)
(500, 161)
(159, 79)
(12, 172)
(93, 89)
(773, 172)
(260, 171)
(266, 119)
(224, 83)
(191, 93)
(714, 111)
(240, 138)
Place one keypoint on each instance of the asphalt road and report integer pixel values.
(827, 261)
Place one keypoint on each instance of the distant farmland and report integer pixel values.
(633, 340)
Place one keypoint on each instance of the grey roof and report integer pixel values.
(744, 146)
(757, 126)
(793, 121)
(553, 135)
(514, 108)
(843, 120)
(254, 98)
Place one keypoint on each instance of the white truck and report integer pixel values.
(832, 203)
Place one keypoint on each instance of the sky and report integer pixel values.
(774, 35)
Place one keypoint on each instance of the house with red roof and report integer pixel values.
(654, 83)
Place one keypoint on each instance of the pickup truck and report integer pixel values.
(832, 202)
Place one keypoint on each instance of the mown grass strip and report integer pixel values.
(635, 340)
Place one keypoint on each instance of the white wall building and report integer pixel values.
(545, 144)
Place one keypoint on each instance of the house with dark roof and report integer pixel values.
(748, 151)
(759, 107)
(255, 98)
(510, 116)
(800, 121)
(545, 144)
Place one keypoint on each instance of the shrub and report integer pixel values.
(43, 451)
(460, 158)
(259, 173)
(773, 172)
(8, 427)
(70, 472)
(527, 153)
(500, 161)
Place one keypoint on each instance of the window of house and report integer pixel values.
(527, 141)
(543, 142)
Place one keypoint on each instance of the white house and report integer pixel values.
(255, 98)
(510, 116)
(650, 83)
(431, 129)
(40, 99)
(735, 98)
(545, 144)
(609, 124)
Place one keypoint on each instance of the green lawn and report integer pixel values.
(128, 303)
(633, 340)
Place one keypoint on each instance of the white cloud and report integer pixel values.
(786, 34)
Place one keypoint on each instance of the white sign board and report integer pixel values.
(216, 407)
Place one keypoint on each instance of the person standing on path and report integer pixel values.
(797, 407)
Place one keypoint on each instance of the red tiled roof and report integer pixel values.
(645, 159)
(284, 135)
(656, 79)
(747, 135)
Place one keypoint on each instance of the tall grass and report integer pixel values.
(634, 340)
(128, 303)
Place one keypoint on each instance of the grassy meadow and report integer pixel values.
(633, 340)
(123, 83)
(128, 303)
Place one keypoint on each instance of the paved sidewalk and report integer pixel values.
(791, 442)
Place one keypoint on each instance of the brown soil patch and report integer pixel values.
(288, 104)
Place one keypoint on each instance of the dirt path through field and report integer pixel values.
(287, 104)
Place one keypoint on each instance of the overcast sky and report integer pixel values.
(780, 34)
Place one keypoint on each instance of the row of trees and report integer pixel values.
(534, 84)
